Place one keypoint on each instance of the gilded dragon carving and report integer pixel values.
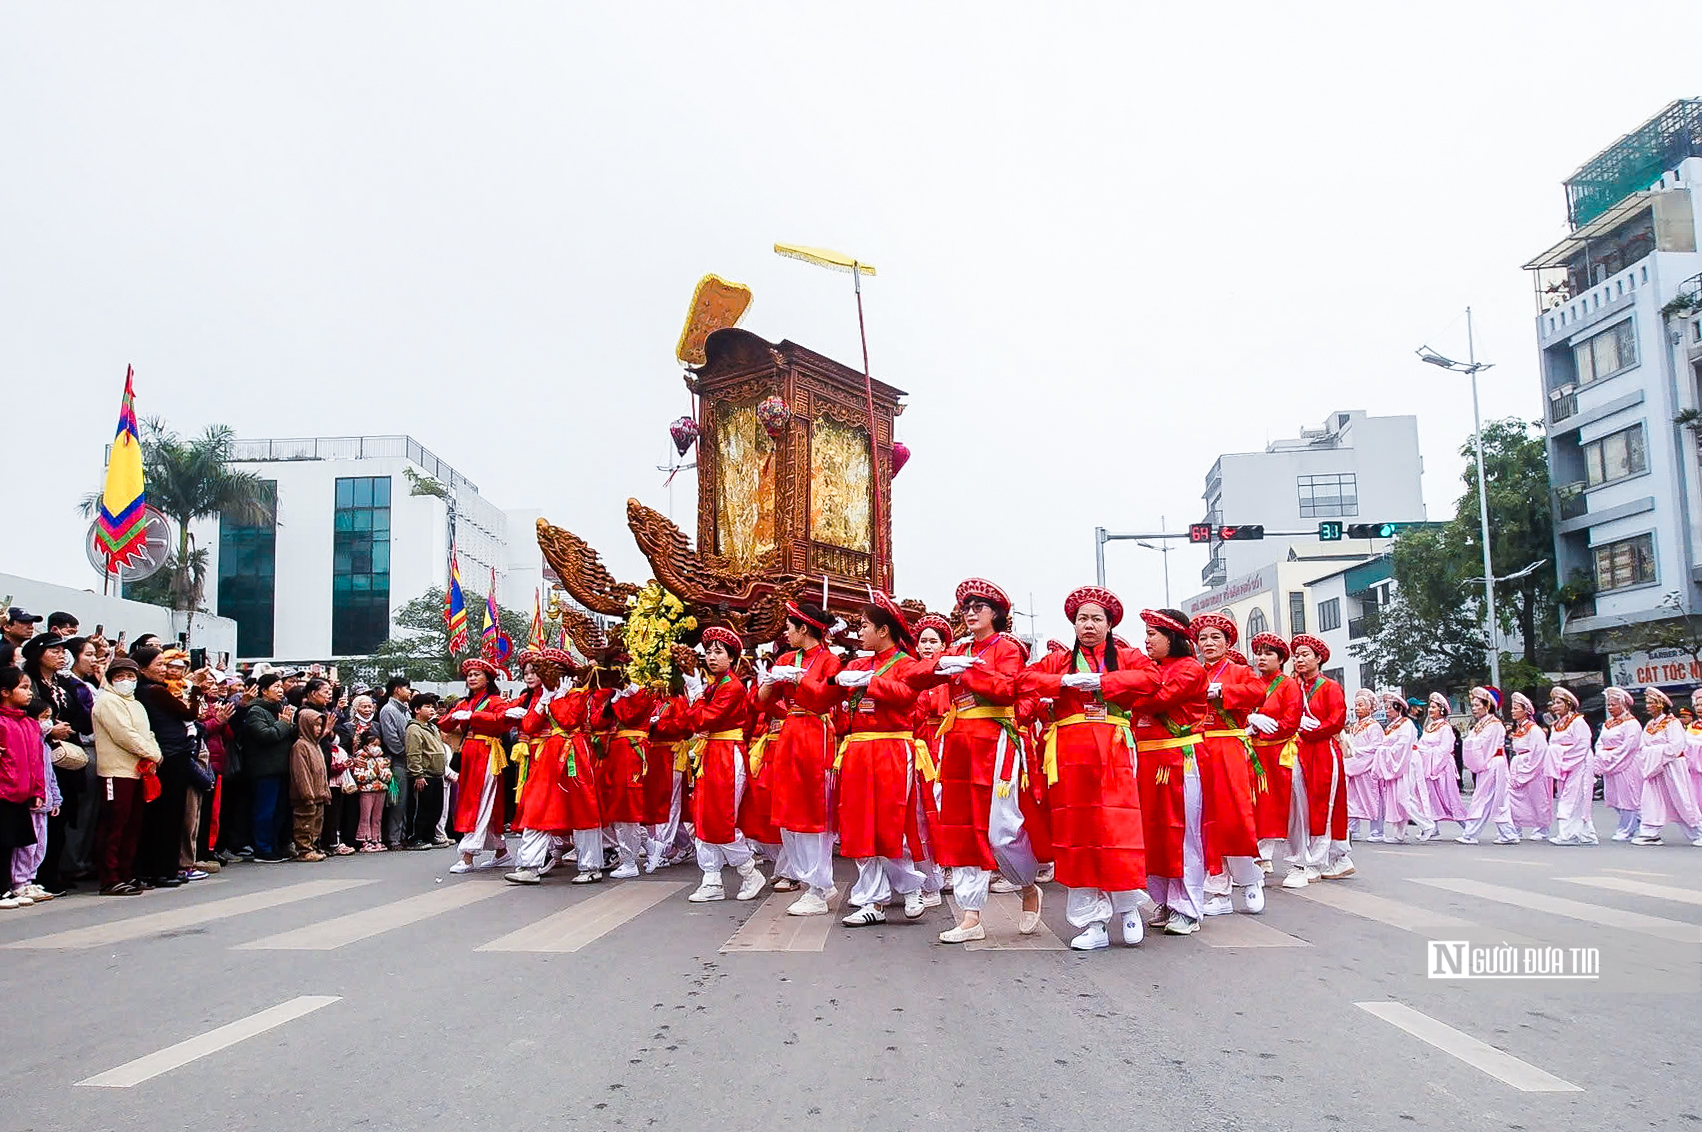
(582, 572)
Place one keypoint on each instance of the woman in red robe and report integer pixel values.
(980, 761)
(558, 796)
(669, 840)
(1275, 818)
(1089, 767)
(481, 719)
(1319, 779)
(627, 713)
(1170, 709)
(756, 810)
(716, 710)
(1230, 773)
(801, 682)
(933, 634)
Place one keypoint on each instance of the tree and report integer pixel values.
(188, 480)
(1438, 573)
(418, 647)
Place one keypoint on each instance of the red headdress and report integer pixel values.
(1158, 619)
(935, 622)
(1239, 658)
(1215, 621)
(1094, 595)
(525, 656)
(561, 658)
(491, 671)
(882, 601)
(985, 590)
(729, 639)
(793, 609)
(1269, 641)
(1314, 644)
(1055, 646)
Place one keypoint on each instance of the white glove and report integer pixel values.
(1263, 724)
(1214, 691)
(854, 678)
(460, 716)
(694, 687)
(451, 774)
(954, 665)
(1307, 723)
(786, 673)
(515, 713)
(1081, 681)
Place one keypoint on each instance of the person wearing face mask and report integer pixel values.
(126, 757)
(1089, 765)
(980, 761)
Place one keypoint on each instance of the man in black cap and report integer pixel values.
(18, 628)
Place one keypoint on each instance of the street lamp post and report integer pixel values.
(1101, 536)
(1163, 549)
(1470, 367)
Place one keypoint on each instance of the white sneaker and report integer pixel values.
(1340, 870)
(1697, 843)
(1465, 839)
(1154, 913)
(1558, 840)
(1313, 876)
(1046, 873)
(1296, 878)
(521, 876)
(1218, 906)
(1133, 930)
(751, 884)
(1178, 924)
(7, 901)
(1646, 839)
(1536, 835)
(707, 892)
(1507, 840)
(1265, 866)
(1092, 938)
(864, 916)
(501, 860)
(1254, 895)
(587, 878)
(963, 935)
(549, 865)
(1430, 834)
(625, 872)
(809, 904)
(37, 893)
(461, 867)
(931, 899)
(913, 906)
(1375, 839)
(1618, 835)
(1001, 885)
(21, 899)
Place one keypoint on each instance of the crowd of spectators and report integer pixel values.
(123, 767)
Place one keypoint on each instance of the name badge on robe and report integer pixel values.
(964, 702)
(1144, 721)
(866, 707)
(1094, 711)
(774, 726)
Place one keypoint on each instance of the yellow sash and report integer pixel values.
(521, 757)
(990, 711)
(640, 742)
(757, 749)
(1290, 754)
(693, 753)
(1185, 742)
(922, 756)
(1049, 762)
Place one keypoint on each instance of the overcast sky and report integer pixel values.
(1113, 241)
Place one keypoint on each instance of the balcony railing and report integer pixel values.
(1569, 501)
(1358, 628)
(1216, 573)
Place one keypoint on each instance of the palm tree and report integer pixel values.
(189, 480)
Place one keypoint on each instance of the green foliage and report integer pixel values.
(1411, 650)
(418, 646)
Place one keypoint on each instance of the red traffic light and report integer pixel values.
(1242, 533)
(1199, 532)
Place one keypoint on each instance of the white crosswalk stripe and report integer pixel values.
(1245, 931)
(1001, 918)
(771, 929)
(1657, 926)
(587, 921)
(1640, 888)
(1503, 1066)
(328, 935)
(172, 1057)
(1395, 913)
(190, 915)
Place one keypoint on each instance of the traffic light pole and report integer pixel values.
(1483, 514)
(1101, 536)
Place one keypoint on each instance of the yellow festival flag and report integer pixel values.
(121, 524)
(825, 257)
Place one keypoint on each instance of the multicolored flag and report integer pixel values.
(493, 624)
(121, 525)
(538, 630)
(457, 616)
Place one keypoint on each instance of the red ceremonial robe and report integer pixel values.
(1169, 703)
(1227, 780)
(756, 810)
(1089, 769)
(719, 718)
(482, 734)
(1271, 805)
(1321, 760)
(558, 797)
(982, 715)
(1033, 717)
(625, 756)
(802, 752)
(877, 758)
(928, 713)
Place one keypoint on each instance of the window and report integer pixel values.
(360, 566)
(1296, 613)
(1605, 354)
(1329, 497)
(1616, 456)
(1335, 674)
(1257, 623)
(1367, 676)
(248, 579)
(1628, 562)
(1329, 615)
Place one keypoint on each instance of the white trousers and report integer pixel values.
(1629, 820)
(711, 858)
(1186, 893)
(808, 859)
(1084, 906)
(629, 842)
(933, 877)
(1295, 846)
(969, 887)
(1243, 872)
(670, 839)
(879, 877)
(482, 836)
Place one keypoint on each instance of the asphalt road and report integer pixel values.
(392, 995)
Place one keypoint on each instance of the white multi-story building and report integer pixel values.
(1354, 467)
(354, 541)
(1619, 338)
